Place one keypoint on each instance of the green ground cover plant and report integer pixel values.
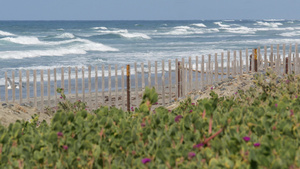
(257, 128)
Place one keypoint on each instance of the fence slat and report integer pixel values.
(149, 74)
(90, 87)
(196, 74)
(103, 85)
(209, 69)
(271, 57)
(143, 77)
(216, 68)
(277, 60)
(247, 62)
(109, 86)
(202, 72)
(290, 60)
(55, 88)
(183, 79)
(116, 86)
(62, 82)
(222, 65)
(156, 83)
(83, 85)
(258, 58)
(163, 82)
(123, 90)
(27, 86)
(190, 74)
(266, 58)
(207, 74)
(34, 88)
(252, 61)
(297, 59)
(96, 87)
(284, 59)
(136, 85)
(76, 82)
(20, 87)
(48, 88)
(186, 79)
(69, 81)
(176, 79)
(234, 64)
(228, 64)
(13, 86)
(6, 90)
(170, 82)
(241, 63)
(42, 91)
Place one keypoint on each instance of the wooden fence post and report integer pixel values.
(179, 80)
(42, 91)
(163, 82)
(128, 87)
(20, 87)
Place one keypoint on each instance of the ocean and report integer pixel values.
(28, 45)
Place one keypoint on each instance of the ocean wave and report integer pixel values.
(65, 35)
(60, 29)
(32, 40)
(290, 34)
(199, 25)
(101, 27)
(273, 20)
(241, 30)
(124, 33)
(186, 30)
(221, 25)
(269, 24)
(3, 33)
(82, 48)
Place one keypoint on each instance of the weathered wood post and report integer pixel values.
(179, 80)
(286, 65)
(128, 87)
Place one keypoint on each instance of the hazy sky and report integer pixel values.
(148, 9)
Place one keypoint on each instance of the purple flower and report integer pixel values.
(287, 81)
(198, 145)
(276, 104)
(143, 124)
(61, 97)
(212, 88)
(235, 93)
(79, 100)
(60, 134)
(256, 144)
(193, 103)
(65, 147)
(146, 160)
(178, 117)
(246, 138)
(296, 96)
(192, 154)
(191, 111)
(156, 103)
(169, 110)
(292, 112)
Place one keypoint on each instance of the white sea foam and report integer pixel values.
(3, 33)
(228, 20)
(24, 40)
(269, 24)
(290, 34)
(199, 25)
(60, 29)
(221, 25)
(65, 35)
(273, 20)
(124, 33)
(101, 27)
(241, 30)
(186, 30)
(81, 48)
